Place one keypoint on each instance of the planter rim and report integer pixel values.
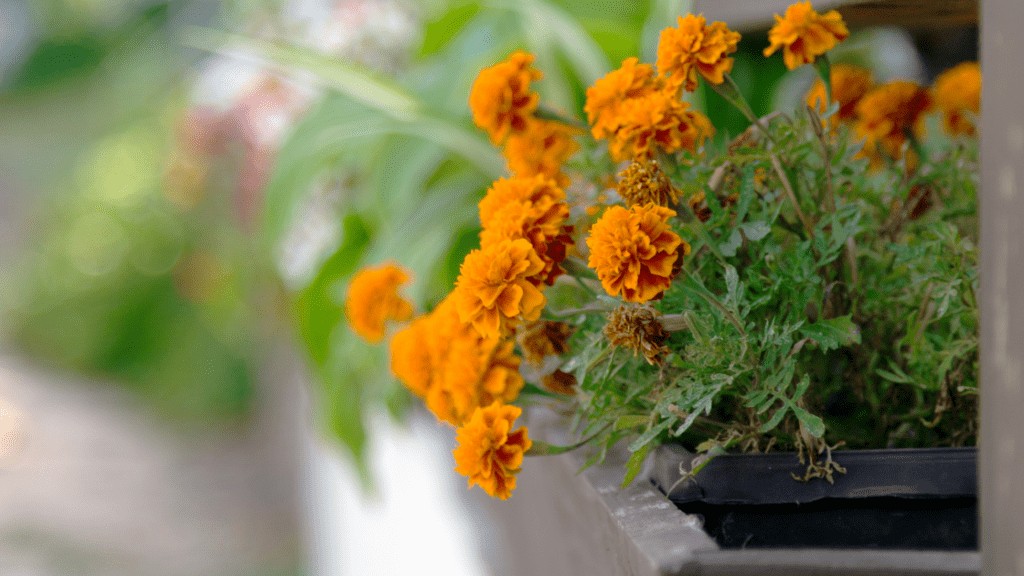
(755, 479)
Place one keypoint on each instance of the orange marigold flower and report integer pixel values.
(490, 453)
(411, 359)
(373, 300)
(542, 148)
(450, 366)
(643, 182)
(887, 116)
(533, 208)
(604, 98)
(494, 289)
(694, 47)
(803, 34)
(501, 100)
(958, 95)
(658, 120)
(849, 85)
(635, 252)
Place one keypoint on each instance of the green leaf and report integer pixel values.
(651, 433)
(832, 333)
(635, 464)
(438, 33)
(813, 424)
(317, 311)
(755, 231)
(729, 248)
(775, 419)
(356, 82)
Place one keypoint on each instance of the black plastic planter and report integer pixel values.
(907, 499)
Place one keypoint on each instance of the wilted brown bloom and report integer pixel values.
(699, 207)
(544, 338)
(643, 182)
(560, 382)
(638, 329)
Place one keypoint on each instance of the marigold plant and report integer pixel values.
(806, 284)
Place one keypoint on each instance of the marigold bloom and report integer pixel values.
(803, 34)
(494, 289)
(604, 98)
(533, 208)
(490, 453)
(658, 120)
(501, 100)
(887, 116)
(544, 338)
(373, 300)
(450, 366)
(542, 148)
(849, 85)
(411, 360)
(958, 95)
(694, 47)
(643, 182)
(637, 328)
(635, 252)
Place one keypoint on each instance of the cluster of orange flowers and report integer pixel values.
(460, 358)
(888, 115)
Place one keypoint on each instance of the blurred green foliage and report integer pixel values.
(114, 278)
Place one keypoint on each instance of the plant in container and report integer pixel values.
(801, 289)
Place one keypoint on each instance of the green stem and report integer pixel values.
(540, 448)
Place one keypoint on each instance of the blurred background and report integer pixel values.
(185, 187)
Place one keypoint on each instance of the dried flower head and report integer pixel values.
(638, 329)
(373, 300)
(849, 84)
(694, 47)
(887, 116)
(643, 182)
(490, 453)
(657, 121)
(541, 149)
(544, 338)
(635, 252)
(803, 34)
(604, 98)
(501, 100)
(533, 208)
(958, 95)
(494, 289)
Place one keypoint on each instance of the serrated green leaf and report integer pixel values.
(755, 231)
(729, 248)
(649, 435)
(832, 333)
(813, 424)
(775, 419)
